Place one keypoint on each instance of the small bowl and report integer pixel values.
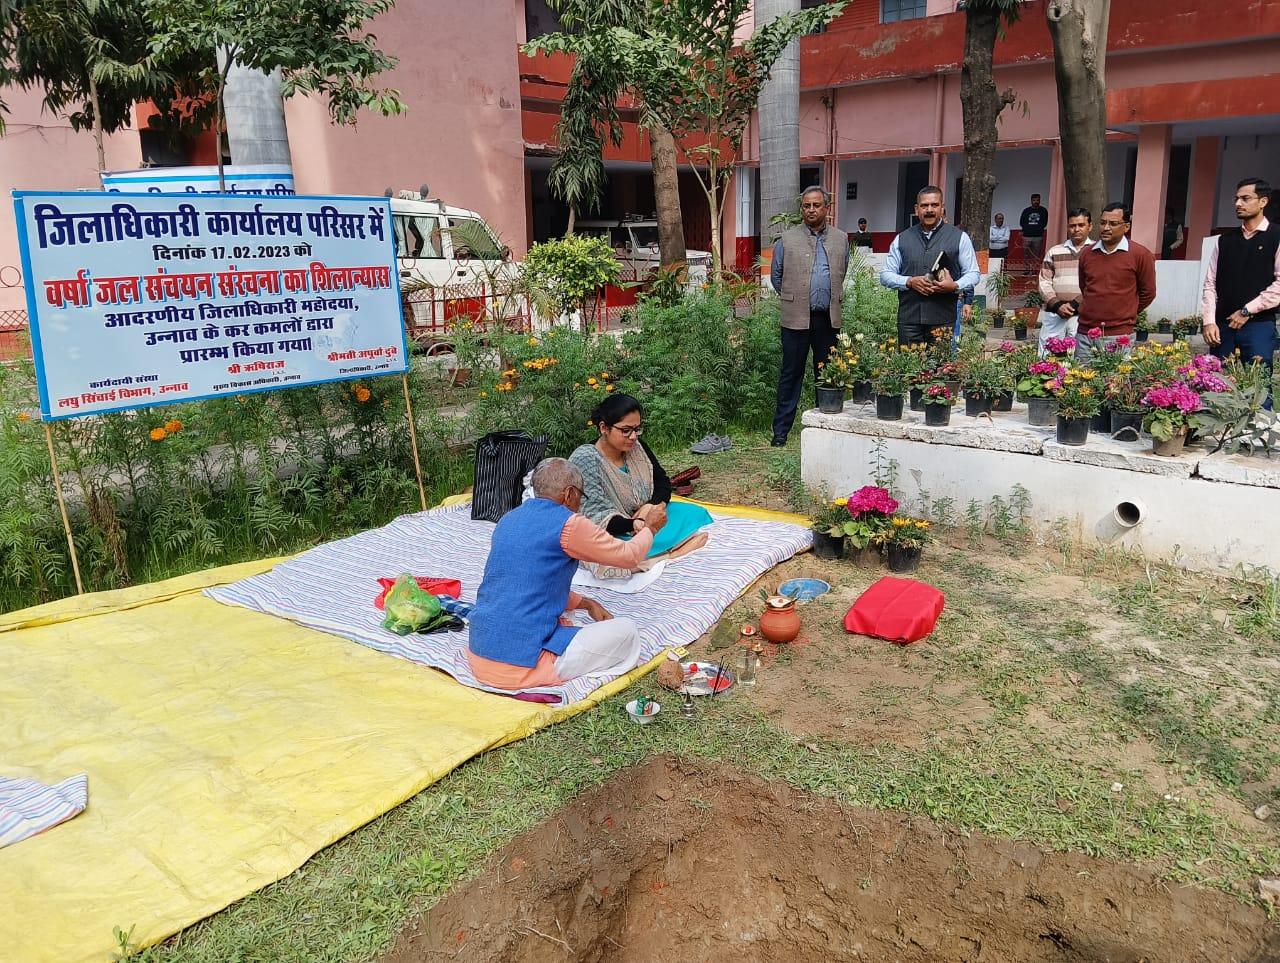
(651, 712)
(804, 589)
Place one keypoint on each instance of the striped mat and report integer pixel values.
(28, 807)
(332, 587)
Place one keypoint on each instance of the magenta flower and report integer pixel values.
(938, 391)
(871, 500)
(1174, 397)
(1060, 346)
(1207, 381)
(1046, 368)
(1095, 332)
(1007, 347)
(1054, 385)
(1206, 362)
(1123, 341)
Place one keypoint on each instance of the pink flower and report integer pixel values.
(1046, 368)
(1206, 362)
(1123, 341)
(1095, 332)
(1007, 347)
(1175, 397)
(871, 500)
(1060, 346)
(1054, 385)
(938, 391)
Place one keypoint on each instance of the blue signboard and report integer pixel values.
(138, 300)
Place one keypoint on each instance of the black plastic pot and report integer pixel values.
(975, 405)
(917, 399)
(1164, 327)
(1002, 401)
(997, 321)
(862, 393)
(937, 416)
(1019, 334)
(903, 558)
(1101, 422)
(827, 546)
(889, 407)
(1126, 425)
(831, 400)
(1141, 336)
(1073, 431)
(1040, 412)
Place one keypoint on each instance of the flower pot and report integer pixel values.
(1002, 401)
(917, 399)
(458, 377)
(831, 400)
(1040, 412)
(1164, 327)
(888, 407)
(826, 546)
(1073, 431)
(1019, 334)
(780, 622)
(1122, 421)
(1101, 422)
(937, 416)
(903, 558)
(1141, 336)
(1171, 447)
(997, 321)
(975, 405)
(866, 557)
(861, 393)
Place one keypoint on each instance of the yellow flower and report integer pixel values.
(842, 502)
(159, 434)
(24, 416)
(608, 387)
(592, 382)
(576, 386)
(604, 374)
(484, 394)
(922, 523)
(533, 342)
(1086, 392)
(509, 373)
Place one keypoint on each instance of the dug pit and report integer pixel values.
(680, 860)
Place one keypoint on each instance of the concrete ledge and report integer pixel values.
(1128, 456)
(859, 420)
(1256, 470)
(980, 434)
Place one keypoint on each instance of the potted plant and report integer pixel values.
(827, 521)
(1164, 326)
(1078, 398)
(938, 400)
(983, 379)
(1033, 388)
(949, 374)
(1169, 411)
(904, 540)
(1026, 316)
(999, 285)
(1184, 328)
(1011, 359)
(1060, 347)
(870, 509)
(1124, 392)
(832, 382)
(1142, 327)
(998, 318)
(859, 353)
(896, 367)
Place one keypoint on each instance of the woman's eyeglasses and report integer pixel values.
(629, 432)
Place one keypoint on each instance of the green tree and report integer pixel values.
(981, 105)
(92, 60)
(697, 81)
(319, 46)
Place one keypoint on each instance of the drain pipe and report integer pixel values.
(1123, 518)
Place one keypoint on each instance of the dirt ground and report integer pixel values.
(678, 860)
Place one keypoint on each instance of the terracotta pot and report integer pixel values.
(780, 622)
(1172, 447)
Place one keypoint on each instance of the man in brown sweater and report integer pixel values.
(1117, 282)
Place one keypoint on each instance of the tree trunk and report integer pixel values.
(713, 201)
(573, 216)
(1079, 32)
(779, 118)
(981, 107)
(98, 135)
(666, 192)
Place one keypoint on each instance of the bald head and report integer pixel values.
(553, 477)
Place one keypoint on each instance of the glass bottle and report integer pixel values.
(750, 663)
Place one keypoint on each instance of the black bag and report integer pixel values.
(503, 458)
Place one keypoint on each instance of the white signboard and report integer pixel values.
(138, 300)
(271, 180)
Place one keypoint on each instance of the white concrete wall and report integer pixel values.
(877, 194)
(1191, 521)
(1020, 173)
(1245, 156)
(1177, 290)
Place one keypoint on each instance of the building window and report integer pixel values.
(892, 11)
(809, 5)
(539, 19)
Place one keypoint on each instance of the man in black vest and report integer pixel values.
(930, 265)
(1242, 282)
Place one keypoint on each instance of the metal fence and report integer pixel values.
(15, 341)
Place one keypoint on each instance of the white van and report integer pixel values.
(635, 242)
(451, 265)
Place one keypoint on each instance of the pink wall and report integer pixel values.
(458, 74)
(41, 152)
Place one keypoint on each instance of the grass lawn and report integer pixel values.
(1076, 700)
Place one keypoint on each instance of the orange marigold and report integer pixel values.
(173, 427)
(159, 434)
(24, 416)
(363, 394)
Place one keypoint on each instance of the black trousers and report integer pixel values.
(796, 345)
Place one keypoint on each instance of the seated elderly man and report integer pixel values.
(520, 635)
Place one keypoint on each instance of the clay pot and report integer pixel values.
(780, 622)
(1171, 447)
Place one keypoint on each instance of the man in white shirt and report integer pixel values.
(999, 238)
(1060, 279)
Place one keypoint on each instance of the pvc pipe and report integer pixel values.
(1128, 514)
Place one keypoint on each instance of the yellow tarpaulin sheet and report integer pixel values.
(224, 747)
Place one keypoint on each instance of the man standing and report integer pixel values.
(1173, 236)
(809, 264)
(1117, 282)
(1060, 279)
(999, 239)
(1034, 222)
(930, 265)
(1242, 282)
(862, 237)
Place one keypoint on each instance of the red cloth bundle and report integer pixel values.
(897, 609)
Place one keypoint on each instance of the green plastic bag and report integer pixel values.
(411, 609)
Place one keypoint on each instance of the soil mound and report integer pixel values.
(678, 860)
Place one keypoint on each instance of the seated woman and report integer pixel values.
(623, 482)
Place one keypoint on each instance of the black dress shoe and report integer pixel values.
(778, 443)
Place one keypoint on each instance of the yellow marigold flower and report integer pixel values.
(24, 416)
(533, 342)
(159, 434)
(484, 394)
(604, 374)
(608, 387)
(592, 382)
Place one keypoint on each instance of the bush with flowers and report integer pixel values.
(1169, 410)
(1077, 393)
(908, 532)
(896, 367)
(1060, 347)
(869, 510)
(1105, 359)
(832, 517)
(1037, 376)
(938, 394)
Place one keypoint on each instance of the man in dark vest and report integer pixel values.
(809, 264)
(1242, 282)
(930, 265)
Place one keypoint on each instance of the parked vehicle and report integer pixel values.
(635, 242)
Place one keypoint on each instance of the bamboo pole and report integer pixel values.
(413, 439)
(62, 507)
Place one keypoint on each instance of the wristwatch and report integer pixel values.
(1246, 312)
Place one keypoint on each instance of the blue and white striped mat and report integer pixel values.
(332, 587)
(28, 807)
